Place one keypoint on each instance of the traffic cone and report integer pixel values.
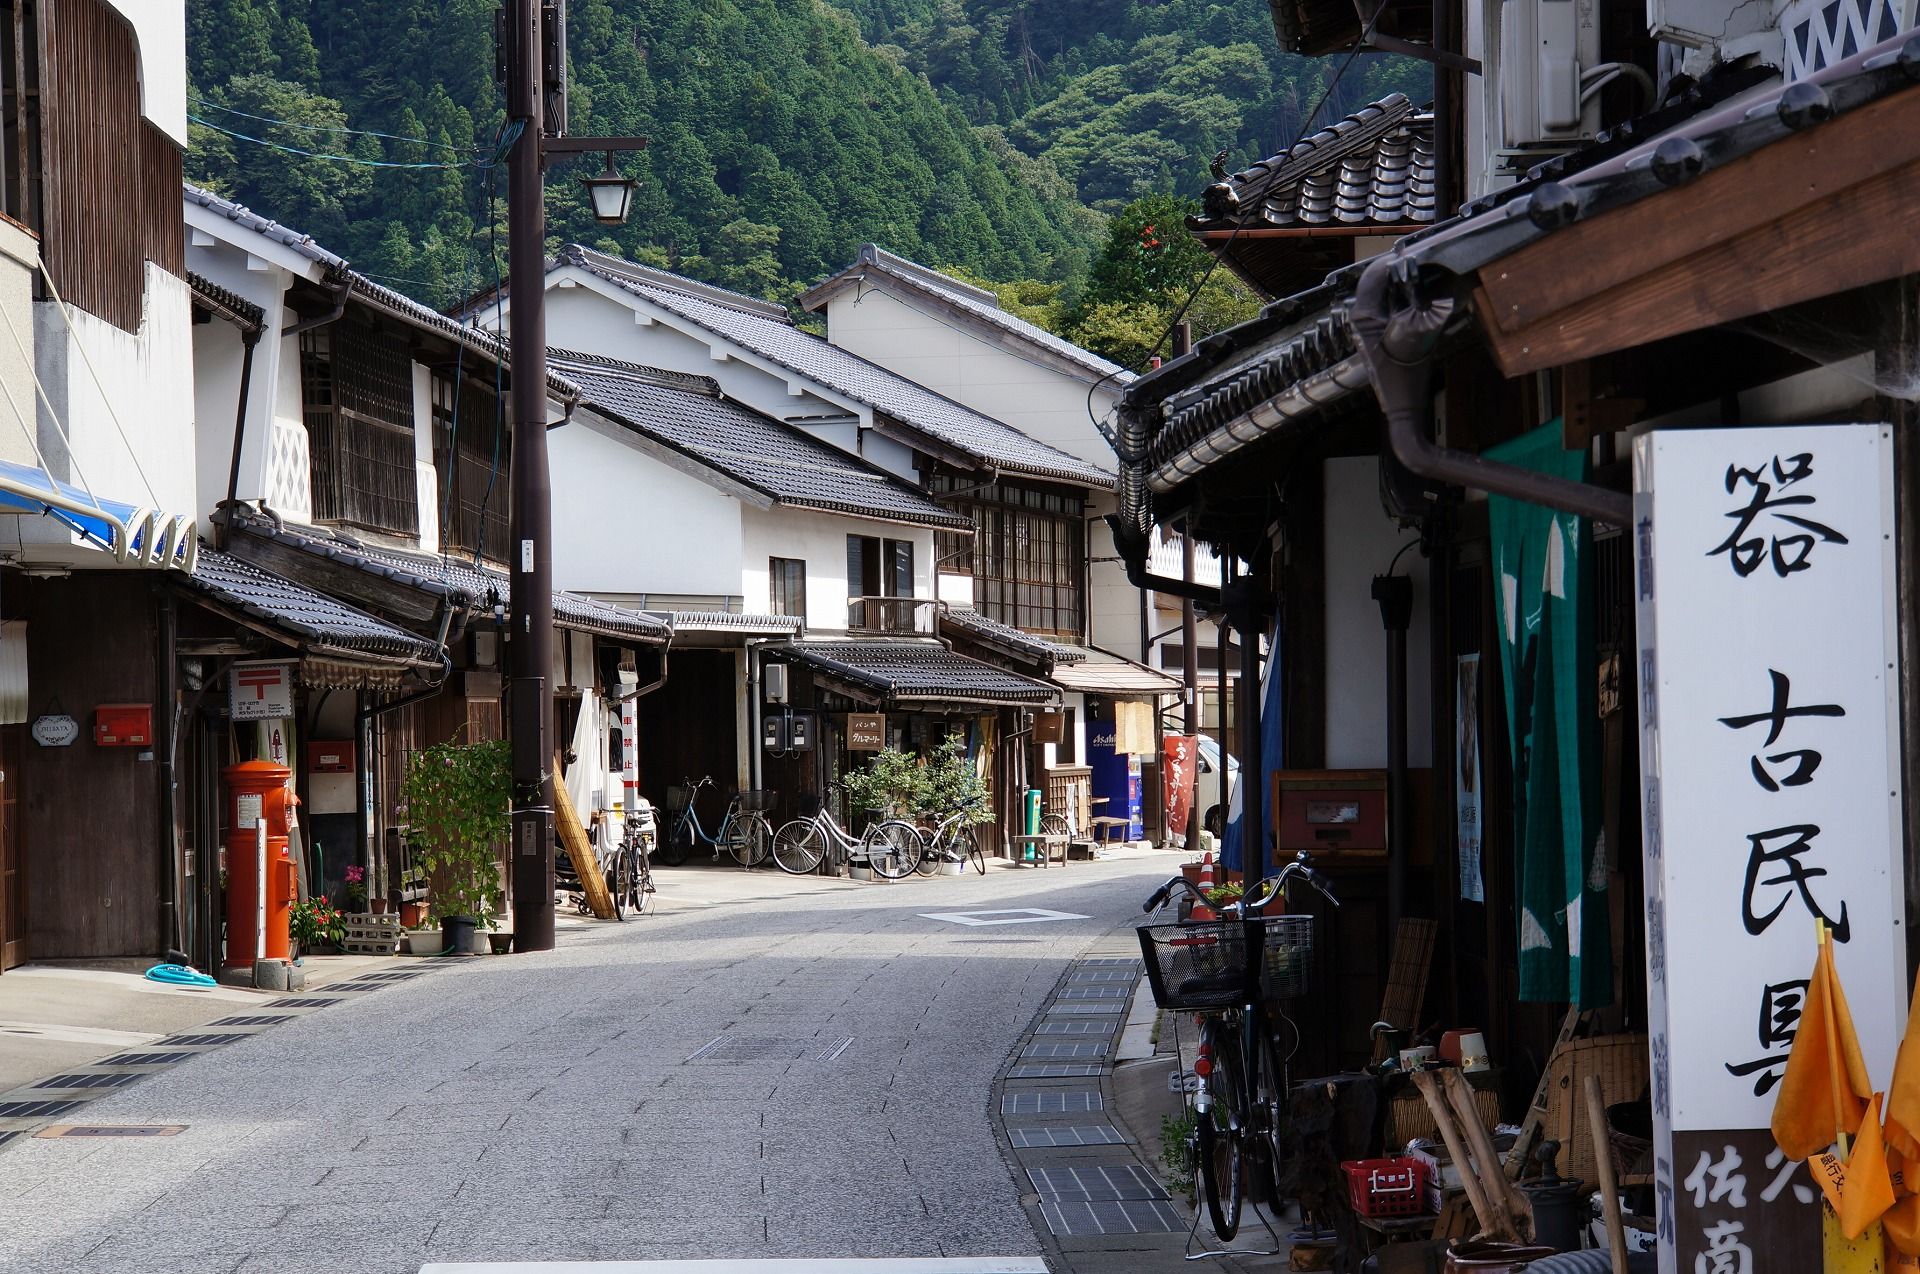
(1201, 911)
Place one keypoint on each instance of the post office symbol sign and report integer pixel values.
(261, 690)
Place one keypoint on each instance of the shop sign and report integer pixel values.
(1179, 756)
(866, 731)
(55, 731)
(1770, 799)
(260, 691)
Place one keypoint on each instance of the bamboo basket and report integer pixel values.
(1620, 1063)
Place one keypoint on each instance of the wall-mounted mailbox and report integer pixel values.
(123, 725)
(1335, 813)
(334, 756)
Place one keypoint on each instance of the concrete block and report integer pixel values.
(271, 975)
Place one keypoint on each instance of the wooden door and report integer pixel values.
(13, 880)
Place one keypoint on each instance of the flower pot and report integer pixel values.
(426, 942)
(859, 871)
(953, 869)
(410, 915)
(458, 932)
(378, 905)
(502, 942)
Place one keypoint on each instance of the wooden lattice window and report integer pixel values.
(358, 393)
(1027, 555)
(471, 455)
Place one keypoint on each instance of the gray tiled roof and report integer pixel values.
(206, 290)
(977, 303)
(1103, 672)
(779, 460)
(463, 581)
(970, 622)
(246, 218)
(728, 621)
(753, 325)
(1375, 167)
(899, 669)
(302, 614)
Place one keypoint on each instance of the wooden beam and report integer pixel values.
(1755, 192)
(573, 836)
(1850, 238)
(389, 598)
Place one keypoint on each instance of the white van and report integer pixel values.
(1213, 814)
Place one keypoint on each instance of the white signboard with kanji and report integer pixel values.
(260, 691)
(1770, 800)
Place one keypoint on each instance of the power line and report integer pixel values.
(324, 128)
(314, 154)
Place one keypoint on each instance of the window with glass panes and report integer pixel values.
(787, 586)
(879, 567)
(472, 456)
(1027, 555)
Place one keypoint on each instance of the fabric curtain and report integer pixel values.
(1272, 737)
(1543, 576)
(1133, 727)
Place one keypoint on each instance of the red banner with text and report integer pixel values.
(1178, 755)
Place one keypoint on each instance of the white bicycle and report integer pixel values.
(891, 848)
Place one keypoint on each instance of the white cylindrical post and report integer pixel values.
(260, 889)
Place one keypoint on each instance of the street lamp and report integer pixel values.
(610, 194)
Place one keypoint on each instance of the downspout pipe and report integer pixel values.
(249, 339)
(339, 288)
(1399, 320)
(1395, 595)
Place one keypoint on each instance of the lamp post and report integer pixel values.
(529, 632)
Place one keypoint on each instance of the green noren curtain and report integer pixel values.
(1543, 603)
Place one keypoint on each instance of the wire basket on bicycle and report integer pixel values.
(1196, 966)
(679, 796)
(755, 800)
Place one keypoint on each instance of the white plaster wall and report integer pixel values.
(19, 257)
(143, 379)
(160, 36)
(1360, 542)
(1113, 603)
(821, 540)
(426, 480)
(624, 522)
(274, 398)
(914, 341)
(955, 590)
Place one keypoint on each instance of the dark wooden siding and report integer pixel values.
(111, 192)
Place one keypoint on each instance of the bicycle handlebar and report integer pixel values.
(1275, 885)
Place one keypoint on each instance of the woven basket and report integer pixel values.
(1411, 1116)
(1620, 1062)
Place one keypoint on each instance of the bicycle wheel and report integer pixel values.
(748, 836)
(798, 847)
(931, 857)
(1219, 1147)
(967, 845)
(642, 881)
(1055, 825)
(618, 881)
(893, 848)
(679, 842)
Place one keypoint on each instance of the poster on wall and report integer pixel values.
(1467, 804)
(260, 690)
(1770, 799)
(1178, 759)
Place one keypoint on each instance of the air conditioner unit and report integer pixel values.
(1547, 47)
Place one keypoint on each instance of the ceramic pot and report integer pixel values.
(426, 942)
(378, 905)
(458, 932)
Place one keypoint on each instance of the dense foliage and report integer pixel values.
(779, 141)
(458, 797)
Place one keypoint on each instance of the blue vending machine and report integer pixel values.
(1116, 777)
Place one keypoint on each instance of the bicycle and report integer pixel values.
(744, 830)
(891, 847)
(951, 840)
(1225, 971)
(630, 874)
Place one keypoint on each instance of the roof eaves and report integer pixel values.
(225, 303)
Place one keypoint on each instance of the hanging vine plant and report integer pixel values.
(458, 800)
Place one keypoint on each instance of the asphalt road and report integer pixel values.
(800, 1070)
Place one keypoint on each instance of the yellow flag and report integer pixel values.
(1825, 1089)
(1868, 1191)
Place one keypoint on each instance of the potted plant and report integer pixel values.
(458, 797)
(356, 888)
(889, 785)
(316, 923)
(951, 781)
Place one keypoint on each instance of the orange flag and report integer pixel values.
(1903, 1225)
(1868, 1192)
(1903, 1094)
(1825, 1090)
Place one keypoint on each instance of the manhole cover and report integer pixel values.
(1070, 1135)
(112, 1130)
(147, 1059)
(303, 1002)
(1096, 1184)
(36, 1109)
(1046, 1048)
(86, 1081)
(198, 1041)
(1052, 1101)
(1139, 1216)
(254, 1019)
(1054, 1070)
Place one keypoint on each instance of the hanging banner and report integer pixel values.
(866, 731)
(1770, 798)
(1466, 776)
(1178, 761)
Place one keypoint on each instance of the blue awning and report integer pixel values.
(135, 535)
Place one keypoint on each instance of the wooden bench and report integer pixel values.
(1109, 830)
(1039, 849)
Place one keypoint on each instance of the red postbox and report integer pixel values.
(257, 790)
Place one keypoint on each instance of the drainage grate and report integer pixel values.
(198, 1041)
(391, 975)
(1089, 1008)
(86, 1081)
(1118, 991)
(1054, 1070)
(1100, 1183)
(148, 1059)
(254, 1019)
(303, 1002)
(1074, 1026)
(1071, 1135)
(1046, 1048)
(1138, 1216)
(5, 1137)
(111, 1130)
(1052, 1101)
(1103, 975)
(1110, 962)
(36, 1109)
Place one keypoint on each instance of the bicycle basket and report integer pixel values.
(1194, 966)
(754, 801)
(679, 796)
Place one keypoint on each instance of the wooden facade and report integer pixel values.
(110, 193)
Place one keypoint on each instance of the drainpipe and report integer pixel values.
(1253, 833)
(1399, 324)
(171, 929)
(753, 714)
(339, 289)
(249, 339)
(1395, 595)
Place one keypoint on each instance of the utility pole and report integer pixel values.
(525, 52)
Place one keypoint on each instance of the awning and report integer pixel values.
(906, 674)
(136, 536)
(317, 625)
(727, 623)
(1101, 672)
(967, 625)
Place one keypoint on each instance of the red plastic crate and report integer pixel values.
(1386, 1187)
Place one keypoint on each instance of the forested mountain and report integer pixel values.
(779, 141)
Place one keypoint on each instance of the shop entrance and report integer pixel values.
(13, 880)
(688, 730)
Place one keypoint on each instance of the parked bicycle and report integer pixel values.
(630, 874)
(950, 840)
(891, 847)
(744, 830)
(1225, 971)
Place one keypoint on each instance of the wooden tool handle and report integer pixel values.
(1494, 1223)
(1603, 1168)
(1501, 1193)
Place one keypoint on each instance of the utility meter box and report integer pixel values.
(774, 678)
